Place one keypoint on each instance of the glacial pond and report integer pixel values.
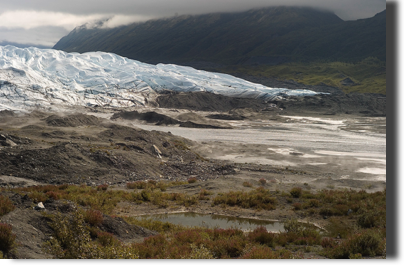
(214, 221)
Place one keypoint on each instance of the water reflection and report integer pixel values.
(215, 221)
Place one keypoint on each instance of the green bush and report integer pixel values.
(296, 192)
(259, 198)
(6, 205)
(247, 184)
(369, 242)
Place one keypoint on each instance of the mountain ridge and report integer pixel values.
(271, 35)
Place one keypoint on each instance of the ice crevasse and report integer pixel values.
(49, 78)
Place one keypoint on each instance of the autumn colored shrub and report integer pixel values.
(192, 180)
(102, 187)
(93, 217)
(107, 239)
(328, 242)
(7, 239)
(262, 181)
(262, 236)
(203, 194)
(297, 206)
(6, 205)
(53, 195)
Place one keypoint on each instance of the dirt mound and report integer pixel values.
(190, 124)
(116, 154)
(332, 104)
(72, 120)
(152, 117)
(226, 117)
(32, 228)
(6, 113)
(205, 101)
(327, 104)
(161, 119)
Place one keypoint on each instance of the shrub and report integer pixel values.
(53, 195)
(247, 184)
(102, 187)
(200, 252)
(298, 234)
(262, 181)
(367, 243)
(107, 239)
(368, 220)
(192, 180)
(93, 217)
(203, 194)
(7, 239)
(296, 192)
(37, 196)
(313, 203)
(262, 252)
(71, 240)
(328, 242)
(297, 206)
(259, 198)
(260, 235)
(6, 205)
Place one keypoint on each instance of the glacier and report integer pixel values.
(47, 78)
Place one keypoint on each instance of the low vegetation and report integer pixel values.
(368, 75)
(259, 198)
(7, 240)
(355, 224)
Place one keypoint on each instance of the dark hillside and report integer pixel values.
(308, 46)
(261, 36)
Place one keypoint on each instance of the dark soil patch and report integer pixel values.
(205, 101)
(6, 113)
(72, 120)
(161, 119)
(226, 117)
(152, 117)
(190, 124)
(372, 105)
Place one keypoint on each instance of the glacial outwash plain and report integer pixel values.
(94, 146)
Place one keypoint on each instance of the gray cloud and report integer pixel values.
(348, 9)
(26, 20)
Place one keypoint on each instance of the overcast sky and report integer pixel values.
(44, 22)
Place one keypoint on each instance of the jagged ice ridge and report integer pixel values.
(48, 78)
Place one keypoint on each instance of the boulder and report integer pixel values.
(156, 151)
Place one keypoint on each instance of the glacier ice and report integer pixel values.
(33, 77)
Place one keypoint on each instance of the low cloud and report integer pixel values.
(41, 36)
(121, 20)
(34, 19)
(24, 21)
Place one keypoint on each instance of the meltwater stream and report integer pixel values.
(321, 144)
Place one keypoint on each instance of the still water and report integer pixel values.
(215, 221)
